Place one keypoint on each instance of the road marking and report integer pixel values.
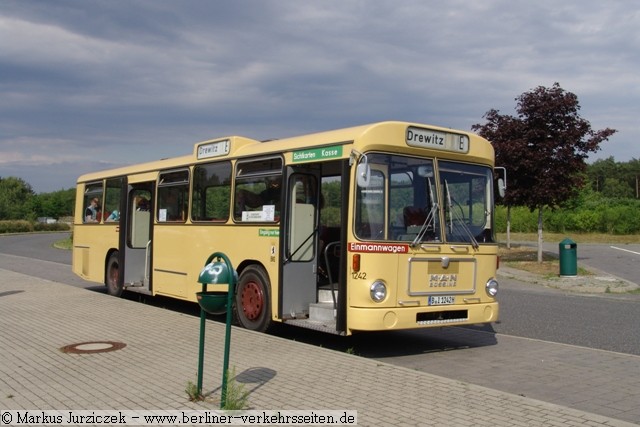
(626, 250)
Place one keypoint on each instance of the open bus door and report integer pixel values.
(298, 284)
(135, 237)
(312, 274)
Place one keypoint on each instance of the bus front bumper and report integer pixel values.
(392, 318)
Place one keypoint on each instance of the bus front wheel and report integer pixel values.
(112, 278)
(253, 306)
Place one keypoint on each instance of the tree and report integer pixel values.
(56, 204)
(544, 148)
(600, 170)
(623, 177)
(505, 133)
(630, 173)
(15, 197)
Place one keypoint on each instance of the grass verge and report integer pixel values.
(65, 244)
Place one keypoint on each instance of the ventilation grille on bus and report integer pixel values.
(440, 317)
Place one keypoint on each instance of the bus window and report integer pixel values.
(371, 207)
(411, 205)
(258, 190)
(173, 195)
(112, 200)
(93, 196)
(401, 195)
(211, 192)
(467, 202)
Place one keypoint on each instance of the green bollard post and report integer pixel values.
(216, 274)
(203, 318)
(227, 337)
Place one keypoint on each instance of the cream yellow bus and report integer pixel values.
(385, 226)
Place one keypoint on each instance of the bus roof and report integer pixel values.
(237, 146)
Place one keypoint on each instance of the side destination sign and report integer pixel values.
(436, 140)
(214, 149)
(317, 154)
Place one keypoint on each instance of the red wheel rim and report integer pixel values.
(252, 300)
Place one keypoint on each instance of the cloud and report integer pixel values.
(131, 81)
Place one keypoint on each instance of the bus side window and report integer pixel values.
(172, 205)
(112, 200)
(93, 196)
(258, 190)
(173, 196)
(211, 192)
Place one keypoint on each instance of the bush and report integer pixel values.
(57, 226)
(16, 226)
(594, 214)
(621, 220)
(522, 219)
(22, 226)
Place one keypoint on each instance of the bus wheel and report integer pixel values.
(253, 306)
(112, 278)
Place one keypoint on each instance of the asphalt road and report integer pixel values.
(606, 322)
(621, 260)
(34, 254)
(601, 322)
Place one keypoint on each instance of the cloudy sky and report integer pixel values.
(89, 85)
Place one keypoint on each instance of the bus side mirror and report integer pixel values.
(501, 187)
(501, 172)
(364, 174)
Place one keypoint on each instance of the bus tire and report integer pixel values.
(112, 276)
(253, 304)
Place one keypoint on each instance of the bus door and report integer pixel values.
(298, 284)
(135, 241)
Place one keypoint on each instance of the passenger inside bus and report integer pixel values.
(271, 194)
(142, 204)
(92, 211)
(114, 216)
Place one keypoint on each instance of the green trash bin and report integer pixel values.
(568, 251)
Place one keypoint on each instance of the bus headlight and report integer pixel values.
(378, 291)
(492, 287)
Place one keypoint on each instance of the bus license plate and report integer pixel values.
(441, 300)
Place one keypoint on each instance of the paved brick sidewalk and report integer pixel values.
(38, 317)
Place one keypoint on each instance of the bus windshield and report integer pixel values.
(421, 200)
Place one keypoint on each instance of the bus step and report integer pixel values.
(327, 327)
(324, 295)
(322, 312)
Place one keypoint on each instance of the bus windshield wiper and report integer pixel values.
(459, 224)
(429, 220)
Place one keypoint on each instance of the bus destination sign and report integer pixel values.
(213, 149)
(436, 140)
(316, 154)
